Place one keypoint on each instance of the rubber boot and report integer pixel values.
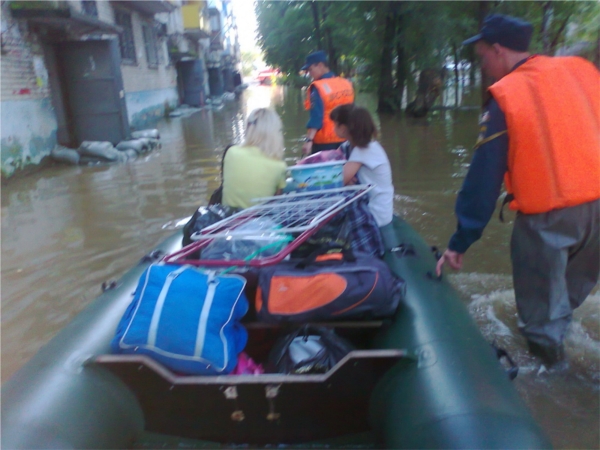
(551, 356)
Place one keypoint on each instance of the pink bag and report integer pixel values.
(247, 366)
(323, 156)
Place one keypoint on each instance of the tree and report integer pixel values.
(386, 45)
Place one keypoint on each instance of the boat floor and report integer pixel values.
(260, 410)
(148, 440)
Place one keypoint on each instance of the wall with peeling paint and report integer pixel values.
(145, 108)
(28, 123)
(28, 133)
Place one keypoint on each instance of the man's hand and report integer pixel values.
(307, 148)
(454, 259)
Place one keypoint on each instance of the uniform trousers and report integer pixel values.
(556, 263)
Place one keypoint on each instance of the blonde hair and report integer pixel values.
(264, 130)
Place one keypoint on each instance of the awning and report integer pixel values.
(65, 19)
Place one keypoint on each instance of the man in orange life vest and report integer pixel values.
(325, 93)
(540, 132)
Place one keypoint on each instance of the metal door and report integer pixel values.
(192, 81)
(215, 82)
(93, 88)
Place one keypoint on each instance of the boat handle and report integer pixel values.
(432, 276)
(152, 256)
(513, 370)
(403, 250)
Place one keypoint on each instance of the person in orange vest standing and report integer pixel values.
(325, 93)
(540, 132)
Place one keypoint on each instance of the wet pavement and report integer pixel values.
(65, 230)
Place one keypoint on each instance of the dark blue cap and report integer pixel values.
(314, 58)
(507, 31)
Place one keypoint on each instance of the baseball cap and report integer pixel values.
(509, 32)
(314, 58)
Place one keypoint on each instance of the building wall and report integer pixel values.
(27, 121)
(150, 92)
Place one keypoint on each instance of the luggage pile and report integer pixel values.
(191, 311)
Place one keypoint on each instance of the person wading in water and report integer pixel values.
(540, 132)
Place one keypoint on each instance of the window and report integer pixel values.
(150, 43)
(89, 7)
(126, 41)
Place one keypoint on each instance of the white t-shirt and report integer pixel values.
(376, 170)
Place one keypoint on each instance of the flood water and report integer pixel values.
(65, 230)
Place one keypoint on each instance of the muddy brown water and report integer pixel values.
(65, 230)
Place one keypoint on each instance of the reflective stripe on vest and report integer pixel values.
(334, 92)
(552, 108)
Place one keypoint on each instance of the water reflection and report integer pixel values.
(66, 230)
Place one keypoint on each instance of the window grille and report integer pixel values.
(126, 40)
(150, 43)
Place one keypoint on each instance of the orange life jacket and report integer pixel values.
(552, 108)
(334, 92)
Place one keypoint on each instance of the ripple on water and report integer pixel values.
(560, 400)
(491, 302)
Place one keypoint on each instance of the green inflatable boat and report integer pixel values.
(424, 379)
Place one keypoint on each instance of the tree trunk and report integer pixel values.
(401, 63)
(546, 20)
(331, 53)
(484, 7)
(386, 82)
(400, 73)
(315, 12)
(456, 77)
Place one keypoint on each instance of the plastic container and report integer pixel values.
(314, 177)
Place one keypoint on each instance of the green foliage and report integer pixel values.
(384, 45)
(46, 4)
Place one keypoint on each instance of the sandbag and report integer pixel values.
(131, 153)
(149, 133)
(101, 150)
(330, 286)
(186, 319)
(65, 155)
(139, 145)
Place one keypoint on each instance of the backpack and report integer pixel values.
(327, 286)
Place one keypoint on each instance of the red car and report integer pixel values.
(266, 76)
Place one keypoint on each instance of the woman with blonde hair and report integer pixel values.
(255, 168)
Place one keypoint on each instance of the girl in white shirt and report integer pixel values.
(368, 163)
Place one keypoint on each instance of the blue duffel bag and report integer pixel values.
(185, 318)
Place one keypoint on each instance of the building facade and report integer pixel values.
(76, 70)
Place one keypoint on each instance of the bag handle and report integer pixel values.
(322, 255)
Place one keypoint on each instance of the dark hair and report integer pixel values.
(359, 122)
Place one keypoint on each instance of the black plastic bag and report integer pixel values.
(203, 217)
(308, 350)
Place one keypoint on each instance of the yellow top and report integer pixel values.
(249, 174)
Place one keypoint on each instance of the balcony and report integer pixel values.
(58, 15)
(195, 20)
